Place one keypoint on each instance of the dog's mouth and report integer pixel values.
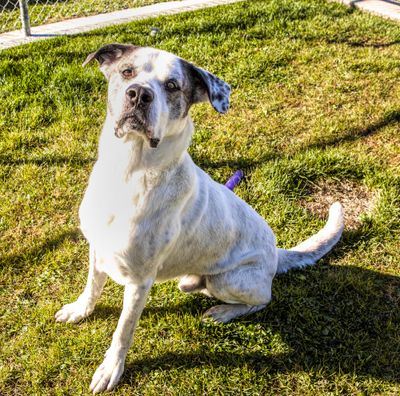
(132, 122)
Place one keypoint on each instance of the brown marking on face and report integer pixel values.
(108, 55)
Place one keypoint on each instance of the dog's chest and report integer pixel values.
(127, 225)
(109, 209)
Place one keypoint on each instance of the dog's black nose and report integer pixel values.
(138, 94)
(154, 142)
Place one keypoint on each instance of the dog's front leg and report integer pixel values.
(110, 371)
(84, 305)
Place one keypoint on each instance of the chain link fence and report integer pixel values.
(21, 14)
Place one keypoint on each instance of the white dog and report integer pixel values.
(150, 214)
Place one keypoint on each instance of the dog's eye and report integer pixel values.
(171, 85)
(128, 73)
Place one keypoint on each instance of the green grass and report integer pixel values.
(45, 11)
(316, 90)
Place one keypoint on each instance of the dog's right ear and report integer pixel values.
(108, 54)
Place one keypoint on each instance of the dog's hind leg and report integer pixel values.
(84, 305)
(246, 289)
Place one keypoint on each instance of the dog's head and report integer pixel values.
(151, 91)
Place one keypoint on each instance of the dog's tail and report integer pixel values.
(309, 251)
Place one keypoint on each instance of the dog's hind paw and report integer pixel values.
(220, 313)
(226, 312)
(73, 313)
(107, 375)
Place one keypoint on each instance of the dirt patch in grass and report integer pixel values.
(355, 198)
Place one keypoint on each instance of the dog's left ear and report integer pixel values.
(207, 87)
(108, 54)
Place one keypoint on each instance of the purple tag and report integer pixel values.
(234, 180)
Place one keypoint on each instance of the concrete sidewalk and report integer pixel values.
(79, 25)
(386, 8)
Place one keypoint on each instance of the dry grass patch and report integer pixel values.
(357, 200)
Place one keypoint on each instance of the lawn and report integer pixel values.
(49, 11)
(315, 116)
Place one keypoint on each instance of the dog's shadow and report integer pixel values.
(334, 319)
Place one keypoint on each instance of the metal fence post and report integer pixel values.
(26, 26)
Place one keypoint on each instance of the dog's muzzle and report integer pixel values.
(120, 131)
(138, 100)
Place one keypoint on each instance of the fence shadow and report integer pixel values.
(352, 135)
(390, 118)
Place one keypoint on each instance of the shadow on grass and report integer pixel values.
(351, 42)
(388, 119)
(19, 261)
(47, 160)
(364, 44)
(333, 319)
(242, 163)
(338, 320)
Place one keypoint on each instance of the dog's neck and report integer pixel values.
(133, 154)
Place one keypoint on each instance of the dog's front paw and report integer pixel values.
(108, 374)
(73, 313)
